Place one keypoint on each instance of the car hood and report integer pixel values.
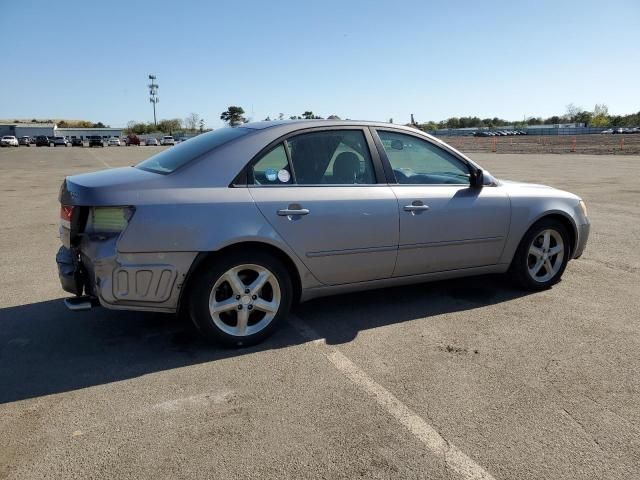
(117, 186)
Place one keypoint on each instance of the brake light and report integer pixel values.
(66, 212)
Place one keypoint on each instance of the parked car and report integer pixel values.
(114, 142)
(9, 141)
(96, 141)
(168, 140)
(132, 140)
(25, 140)
(481, 134)
(77, 142)
(607, 131)
(60, 142)
(151, 141)
(297, 210)
(42, 141)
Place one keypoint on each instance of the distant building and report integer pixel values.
(28, 129)
(52, 130)
(87, 132)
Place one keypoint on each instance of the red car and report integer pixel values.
(133, 140)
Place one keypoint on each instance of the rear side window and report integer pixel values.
(272, 168)
(334, 157)
(170, 160)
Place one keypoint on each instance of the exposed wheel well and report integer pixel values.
(204, 257)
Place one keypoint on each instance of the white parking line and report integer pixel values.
(455, 460)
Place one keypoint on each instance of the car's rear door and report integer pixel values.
(319, 190)
(444, 223)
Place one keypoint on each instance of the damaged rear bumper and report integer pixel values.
(129, 281)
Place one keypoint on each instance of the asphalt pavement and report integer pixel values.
(463, 379)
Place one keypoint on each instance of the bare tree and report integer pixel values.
(191, 121)
(572, 112)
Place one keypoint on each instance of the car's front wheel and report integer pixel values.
(542, 255)
(240, 299)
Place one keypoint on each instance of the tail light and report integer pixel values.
(66, 212)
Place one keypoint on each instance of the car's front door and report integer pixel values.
(444, 223)
(319, 191)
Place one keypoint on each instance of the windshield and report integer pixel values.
(175, 157)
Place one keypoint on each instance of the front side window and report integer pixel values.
(417, 162)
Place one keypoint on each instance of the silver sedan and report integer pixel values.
(233, 226)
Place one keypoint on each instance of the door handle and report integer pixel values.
(285, 212)
(416, 206)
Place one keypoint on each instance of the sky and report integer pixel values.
(369, 60)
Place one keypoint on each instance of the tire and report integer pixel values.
(535, 266)
(264, 307)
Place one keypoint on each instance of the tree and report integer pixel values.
(281, 116)
(600, 115)
(293, 117)
(233, 116)
(201, 125)
(308, 115)
(453, 122)
(268, 119)
(572, 112)
(191, 121)
(98, 125)
(583, 117)
(428, 126)
(131, 124)
(169, 125)
(333, 117)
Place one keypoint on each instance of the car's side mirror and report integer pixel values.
(476, 178)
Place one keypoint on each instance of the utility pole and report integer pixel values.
(153, 96)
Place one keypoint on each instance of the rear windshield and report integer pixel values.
(170, 160)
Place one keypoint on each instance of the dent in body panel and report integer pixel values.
(147, 281)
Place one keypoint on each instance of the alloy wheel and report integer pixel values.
(546, 252)
(244, 300)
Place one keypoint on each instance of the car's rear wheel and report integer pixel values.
(240, 299)
(542, 255)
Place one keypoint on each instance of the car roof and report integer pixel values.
(318, 123)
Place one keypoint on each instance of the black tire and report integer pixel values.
(519, 269)
(205, 278)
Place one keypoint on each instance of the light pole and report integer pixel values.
(153, 96)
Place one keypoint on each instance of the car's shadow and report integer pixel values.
(46, 349)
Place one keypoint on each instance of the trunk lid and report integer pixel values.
(104, 188)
